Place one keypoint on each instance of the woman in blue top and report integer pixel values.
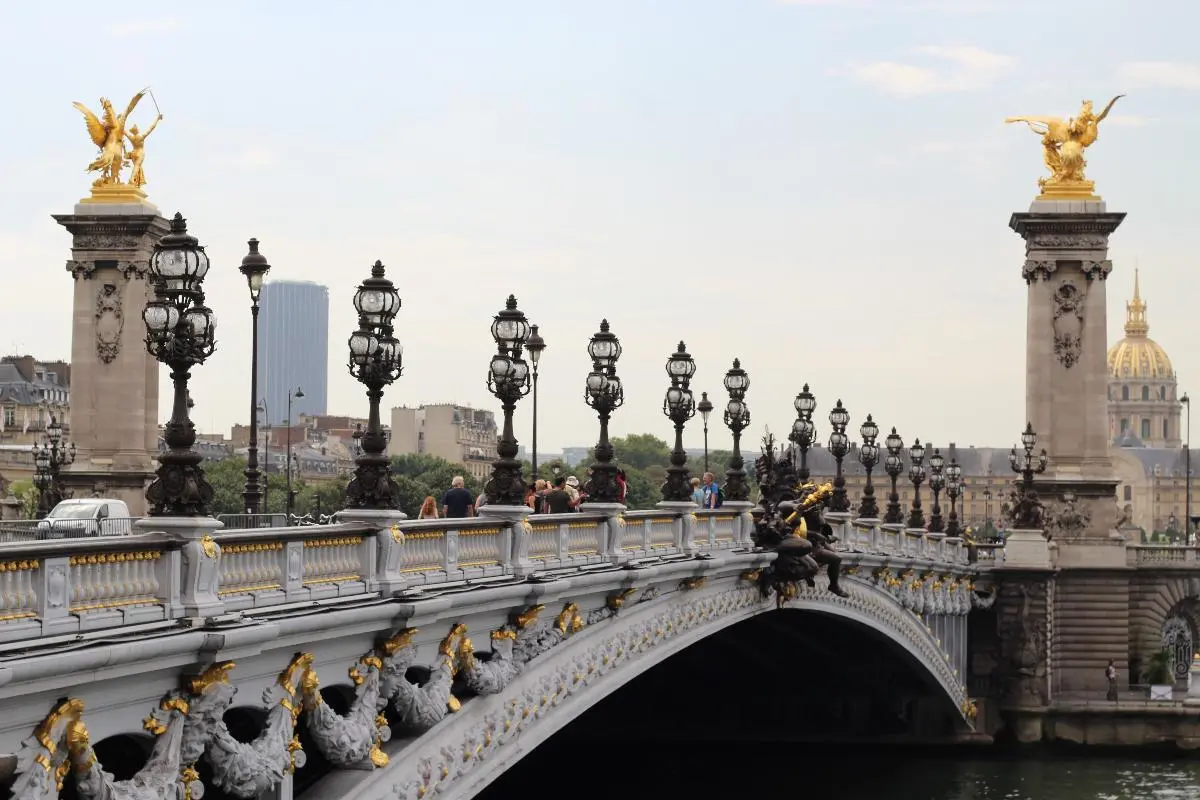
(697, 493)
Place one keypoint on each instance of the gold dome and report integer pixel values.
(1137, 355)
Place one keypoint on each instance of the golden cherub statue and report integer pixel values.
(137, 152)
(108, 132)
(1064, 143)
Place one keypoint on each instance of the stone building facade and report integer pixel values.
(459, 434)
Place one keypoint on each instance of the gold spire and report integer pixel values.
(1135, 311)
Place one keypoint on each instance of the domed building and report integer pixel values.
(1143, 407)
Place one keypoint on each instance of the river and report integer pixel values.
(700, 772)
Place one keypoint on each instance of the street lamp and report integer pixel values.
(954, 488)
(868, 456)
(804, 433)
(705, 408)
(987, 507)
(1188, 522)
(737, 418)
(508, 381)
(376, 361)
(839, 446)
(937, 482)
(1027, 515)
(52, 456)
(255, 268)
(604, 393)
(291, 496)
(916, 474)
(535, 344)
(894, 466)
(181, 333)
(680, 406)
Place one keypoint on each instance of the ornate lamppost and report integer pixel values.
(679, 406)
(987, 507)
(705, 407)
(181, 333)
(508, 381)
(1027, 513)
(839, 446)
(535, 344)
(803, 430)
(604, 394)
(376, 361)
(291, 495)
(868, 456)
(255, 268)
(737, 418)
(916, 474)
(49, 459)
(954, 489)
(937, 482)
(894, 466)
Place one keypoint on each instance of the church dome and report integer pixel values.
(1137, 355)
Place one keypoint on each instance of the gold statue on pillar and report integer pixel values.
(108, 132)
(1063, 143)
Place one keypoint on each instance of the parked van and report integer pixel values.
(95, 516)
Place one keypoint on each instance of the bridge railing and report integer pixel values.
(872, 537)
(1165, 555)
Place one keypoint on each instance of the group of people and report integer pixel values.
(706, 493)
(457, 502)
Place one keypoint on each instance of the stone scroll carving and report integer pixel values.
(1035, 270)
(1068, 323)
(1069, 240)
(350, 740)
(1093, 270)
(110, 323)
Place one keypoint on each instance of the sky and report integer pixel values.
(820, 188)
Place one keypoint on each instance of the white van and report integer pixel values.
(95, 516)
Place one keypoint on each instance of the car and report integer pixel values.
(96, 516)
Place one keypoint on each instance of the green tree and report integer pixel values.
(28, 494)
(640, 491)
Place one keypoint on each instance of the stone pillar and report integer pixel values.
(513, 517)
(200, 562)
(686, 521)
(614, 526)
(1024, 627)
(385, 550)
(114, 381)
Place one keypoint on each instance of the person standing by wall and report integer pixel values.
(457, 502)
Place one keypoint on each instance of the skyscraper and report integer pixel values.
(294, 348)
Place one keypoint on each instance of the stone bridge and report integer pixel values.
(382, 658)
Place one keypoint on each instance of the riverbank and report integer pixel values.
(1129, 723)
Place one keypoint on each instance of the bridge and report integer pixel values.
(385, 658)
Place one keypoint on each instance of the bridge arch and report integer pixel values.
(1163, 608)
(461, 755)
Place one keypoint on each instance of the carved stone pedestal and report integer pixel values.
(199, 561)
(386, 549)
(687, 522)
(615, 526)
(114, 381)
(514, 518)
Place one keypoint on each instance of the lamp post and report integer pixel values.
(868, 456)
(255, 268)
(737, 418)
(987, 507)
(839, 446)
(376, 361)
(679, 405)
(705, 408)
(508, 381)
(954, 488)
(181, 333)
(894, 466)
(916, 474)
(1027, 514)
(53, 455)
(604, 394)
(535, 344)
(937, 482)
(291, 496)
(803, 430)
(266, 482)
(1188, 522)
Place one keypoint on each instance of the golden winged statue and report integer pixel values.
(1064, 143)
(108, 133)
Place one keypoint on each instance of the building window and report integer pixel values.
(1124, 424)
(1145, 392)
(1124, 392)
(1145, 429)
(1162, 393)
(10, 416)
(1128, 494)
(1165, 434)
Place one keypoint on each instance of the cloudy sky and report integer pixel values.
(819, 187)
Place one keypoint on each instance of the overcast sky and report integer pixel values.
(819, 188)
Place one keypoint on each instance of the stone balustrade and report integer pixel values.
(1163, 555)
(50, 588)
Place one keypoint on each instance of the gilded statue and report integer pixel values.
(137, 152)
(1064, 143)
(108, 133)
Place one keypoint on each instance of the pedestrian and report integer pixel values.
(1110, 673)
(457, 502)
(428, 509)
(712, 492)
(558, 499)
(697, 493)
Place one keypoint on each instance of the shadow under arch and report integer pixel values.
(122, 754)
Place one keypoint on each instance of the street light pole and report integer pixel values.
(255, 268)
(1187, 472)
(679, 406)
(535, 344)
(705, 407)
(290, 500)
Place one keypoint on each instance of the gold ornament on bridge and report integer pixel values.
(109, 132)
(1063, 145)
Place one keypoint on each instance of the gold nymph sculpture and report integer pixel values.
(1063, 144)
(109, 132)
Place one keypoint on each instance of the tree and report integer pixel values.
(28, 494)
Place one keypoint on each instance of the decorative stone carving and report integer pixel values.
(350, 740)
(81, 269)
(1095, 269)
(110, 323)
(1035, 270)
(105, 241)
(421, 707)
(1068, 323)
(1083, 241)
(1067, 520)
(248, 769)
(56, 586)
(134, 269)
(1022, 667)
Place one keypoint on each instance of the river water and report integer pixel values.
(700, 772)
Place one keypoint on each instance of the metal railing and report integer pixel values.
(252, 521)
(37, 530)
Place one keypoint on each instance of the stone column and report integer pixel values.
(384, 551)
(513, 517)
(114, 381)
